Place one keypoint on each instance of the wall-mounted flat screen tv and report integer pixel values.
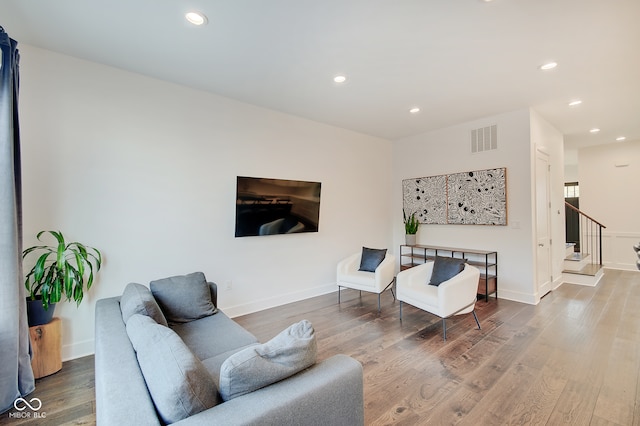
(276, 206)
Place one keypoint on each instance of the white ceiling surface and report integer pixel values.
(457, 60)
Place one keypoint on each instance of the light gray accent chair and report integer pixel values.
(329, 392)
(455, 296)
(348, 275)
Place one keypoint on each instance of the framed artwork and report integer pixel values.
(477, 197)
(427, 198)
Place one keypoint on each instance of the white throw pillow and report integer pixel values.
(255, 367)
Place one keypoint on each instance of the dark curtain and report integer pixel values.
(16, 376)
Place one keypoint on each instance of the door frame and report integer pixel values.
(543, 244)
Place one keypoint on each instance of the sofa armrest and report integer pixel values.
(385, 271)
(416, 275)
(459, 292)
(213, 287)
(348, 265)
(117, 371)
(328, 393)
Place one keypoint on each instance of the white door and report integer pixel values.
(543, 224)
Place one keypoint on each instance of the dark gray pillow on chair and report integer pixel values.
(445, 268)
(184, 298)
(371, 258)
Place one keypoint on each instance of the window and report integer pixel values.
(571, 190)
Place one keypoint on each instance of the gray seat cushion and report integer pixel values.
(291, 351)
(213, 335)
(184, 298)
(179, 384)
(214, 363)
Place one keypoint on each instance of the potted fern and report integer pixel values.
(61, 270)
(411, 225)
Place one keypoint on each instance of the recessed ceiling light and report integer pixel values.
(548, 66)
(594, 130)
(339, 78)
(620, 138)
(196, 18)
(414, 110)
(575, 103)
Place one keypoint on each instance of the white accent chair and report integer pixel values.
(455, 296)
(375, 282)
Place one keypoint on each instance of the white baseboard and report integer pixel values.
(516, 296)
(280, 299)
(78, 350)
(557, 282)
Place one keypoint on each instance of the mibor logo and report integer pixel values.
(27, 409)
(21, 404)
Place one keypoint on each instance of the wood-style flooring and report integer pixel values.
(572, 359)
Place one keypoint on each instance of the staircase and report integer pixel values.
(584, 267)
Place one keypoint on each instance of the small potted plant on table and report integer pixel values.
(411, 225)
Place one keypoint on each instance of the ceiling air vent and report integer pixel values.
(484, 139)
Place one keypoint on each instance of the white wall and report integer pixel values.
(146, 171)
(449, 151)
(609, 176)
(547, 139)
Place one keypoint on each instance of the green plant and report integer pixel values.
(61, 269)
(411, 224)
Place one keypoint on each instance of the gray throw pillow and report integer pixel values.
(371, 258)
(255, 367)
(184, 298)
(179, 384)
(137, 299)
(445, 268)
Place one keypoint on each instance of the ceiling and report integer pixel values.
(457, 60)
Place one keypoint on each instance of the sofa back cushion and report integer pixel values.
(255, 367)
(137, 299)
(184, 298)
(179, 384)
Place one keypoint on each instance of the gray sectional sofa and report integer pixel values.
(170, 356)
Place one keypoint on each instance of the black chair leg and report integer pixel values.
(338, 294)
(444, 328)
(476, 318)
(401, 310)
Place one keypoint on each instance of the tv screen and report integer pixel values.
(276, 206)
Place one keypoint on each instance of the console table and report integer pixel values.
(486, 261)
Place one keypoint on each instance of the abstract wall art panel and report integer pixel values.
(478, 197)
(427, 198)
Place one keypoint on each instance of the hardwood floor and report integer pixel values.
(572, 359)
(67, 398)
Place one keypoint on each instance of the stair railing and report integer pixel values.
(590, 235)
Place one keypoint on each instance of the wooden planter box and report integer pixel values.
(46, 344)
